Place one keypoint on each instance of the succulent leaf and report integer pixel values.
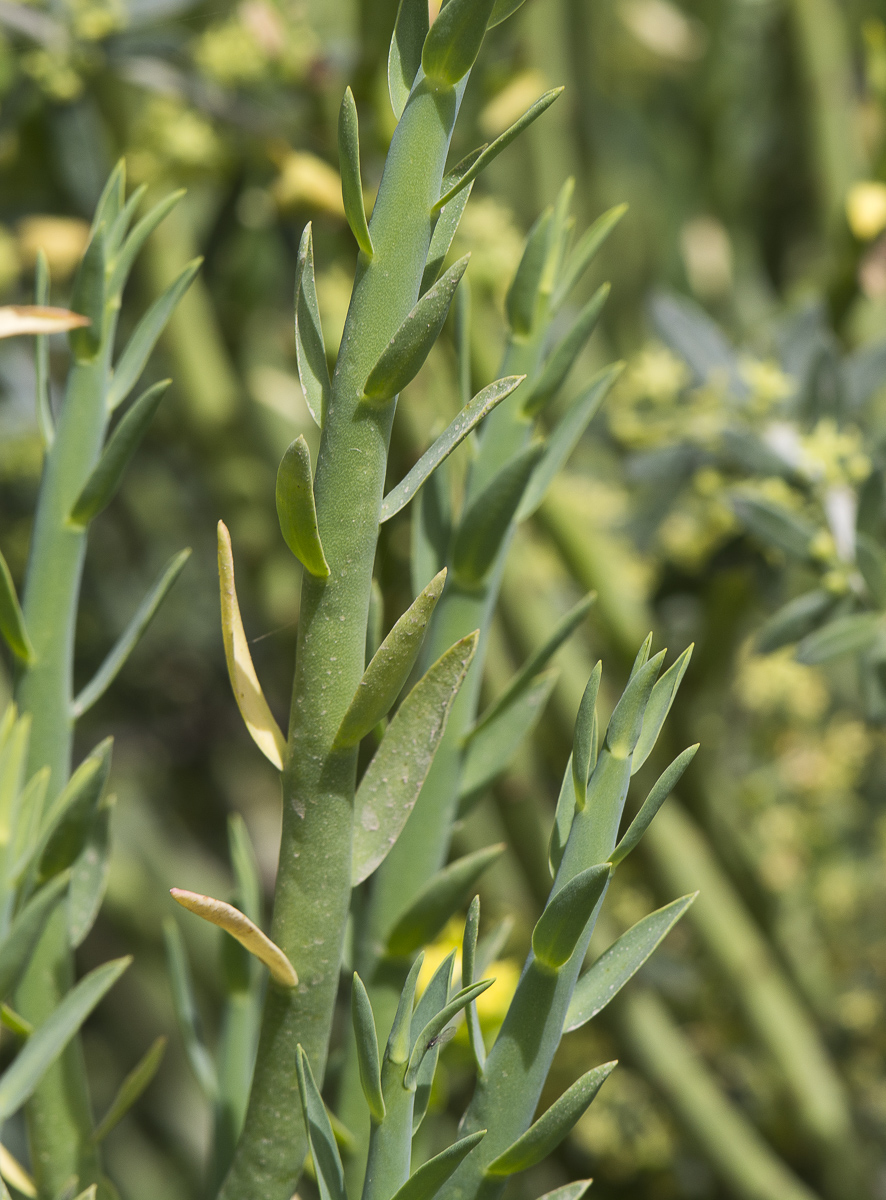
(559, 928)
(522, 303)
(88, 299)
(584, 739)
(485, 523)
(563, 357)
(425, 1182)
(626, 723)
(132, 1087)
(297, 511)
(349, 164)
(563, 818)
(89, 874)
(124, 260)
(492, 747)
(404, 57)
(580, 259)
(454, 40)
(662, 788)
(239, 926)
(327, 1162)
(427, 1037)
(367, 1049)
(468, 970)
(12, 621)
(657, 709)
(185, 1006)
(25, 930)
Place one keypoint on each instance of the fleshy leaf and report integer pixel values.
(426, 1039)
(66, 826)
(40, 319)
(404, 57)
(101, 486)
(402, 358)
(130, 636)
(239, 926)
(263, 729)
(132, 1087)
(145, 336)
(48, 1040)
(425, 1182)
(564, 437)
(844, 635)
(88, 299)
(432, 1001)
(296, 509)
(584, 738)
(492, 747)
(387, 673)
(549, 1130)
(492, 151)
(590, 242)
(501, 10)
(12, 621)
(522, 303)
(367, 1049)
(394, 777)
(626, 723)
(485, 523)
(662, 788)
(310, 349)
(443, 895)
(468, 971)
(89, 874)
(563, 819)
(447, 223)
(25, 931)
(327, 1163)
(186, 1010)
(469, 417)
(131, 248)
(13, 1173)
(400, 1037)
(624, 958)
(454, 40)
(245, 867)
(559, 928)
(560, 361)
(349, 165)
(658, 708)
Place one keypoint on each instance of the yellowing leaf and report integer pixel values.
(18, 319)
(259, 719)
(14, 1173)
(239, 926)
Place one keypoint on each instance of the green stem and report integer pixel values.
(314, 875)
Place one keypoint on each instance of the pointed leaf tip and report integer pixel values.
(18, 319)
(239, 926)
(296, 509)
(560, 927)
(259, 720)
(404, 57)
(454, 40)
(12, 620)
(349, 164)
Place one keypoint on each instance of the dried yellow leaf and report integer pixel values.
(15, 1174)
(250, 699)
(19, 319)
(239, 926)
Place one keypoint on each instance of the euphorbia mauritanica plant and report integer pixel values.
(339, 826)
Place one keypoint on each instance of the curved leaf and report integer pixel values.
(296, 509)
(559, 928)
(404, 56)
(349, 165)
(239, 926)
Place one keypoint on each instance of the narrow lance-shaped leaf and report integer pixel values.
(296, 509)
(468, 419)
(259, 720)
(102, 485)
(563, 818)
(367, 1049)
(88, 299)
(245, 866)
(132, 1087)
(797, 618)
(565, 436)
(110, 202)
(349, 164)
(560, 361)
(25, 931)
(186, 1010)
(66, 826)
(13, 1173)
(89, 874)
(522, 302)
(425, 1040)
(491, 152)
(394, 777)
(501, 10)
(327, 1163)
(491, 749)
(433, 1000)
(425, 1182)
(454, 40)
(662, 788)
(485, 524)
(468, 971)
(590, 242)
(239, 926)
(131, 635)
(584, 738)
(404, 56)
(402, 358)
(400, 1038)
(144, 338)
(461, 328)
(844, 635)
(446, 226)
(387, 673)
(559, 928)
(12, 621)
(538, 659)
(626, 723)
(549, 1130)
(123, 220)
(624, 958)
(48, 1040)
(310, 349)
(658, 708)
(442, 896)
(642, 656)
(131, 248)
(45, 419)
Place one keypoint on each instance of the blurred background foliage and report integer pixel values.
(749, 300)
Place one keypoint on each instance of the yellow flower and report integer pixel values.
(866, 209)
